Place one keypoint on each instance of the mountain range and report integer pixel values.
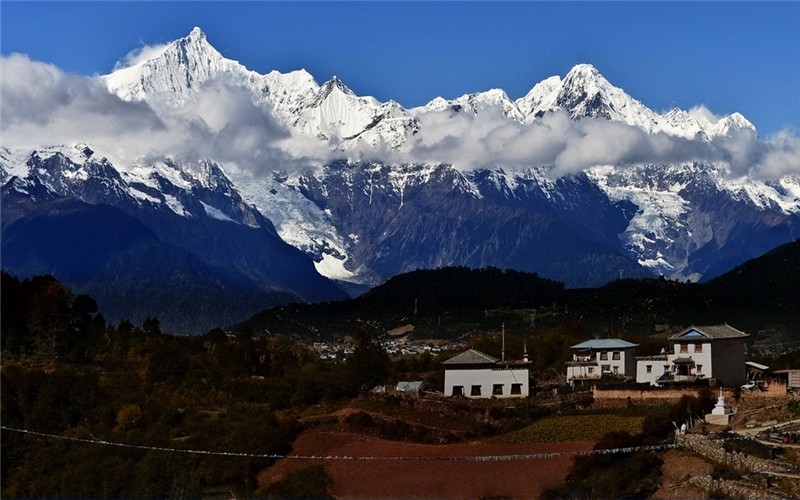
(280, 189)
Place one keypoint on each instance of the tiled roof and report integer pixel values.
(712, 332)
(604, 344)
(471, 357)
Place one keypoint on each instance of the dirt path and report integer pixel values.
(409, 470)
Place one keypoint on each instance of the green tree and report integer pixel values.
(369, 363)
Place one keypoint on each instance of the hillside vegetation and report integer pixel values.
(758, 297)
(77, 381)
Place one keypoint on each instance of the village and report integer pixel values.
(699, 356)
(749, 426)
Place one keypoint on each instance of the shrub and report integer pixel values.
(310, 482)
(751, 447)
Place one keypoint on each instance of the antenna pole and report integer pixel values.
(503, 339)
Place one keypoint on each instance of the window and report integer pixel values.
(616, 370)
(475, 390)
(604, 355)
(615, 355)
(698, 347)
(684, 347)
(591, 370)
(516, 388)
(606, 368)
(649, 368)
(458, 390)
(699, 368)
(497, 390)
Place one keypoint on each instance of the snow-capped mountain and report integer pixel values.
(193, 208)
(177, 72)
(374, 209)
(334, 114)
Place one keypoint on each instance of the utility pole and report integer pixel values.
(503, 341)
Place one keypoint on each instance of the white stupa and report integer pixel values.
(721, 414)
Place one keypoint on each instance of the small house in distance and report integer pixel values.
(597, 357)
(699, 352)
(474, 374)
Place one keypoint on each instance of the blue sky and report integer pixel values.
(729, 56)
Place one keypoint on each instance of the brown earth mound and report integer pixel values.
(409, 470)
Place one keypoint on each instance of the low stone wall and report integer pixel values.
(772, 389)
(713, 451)
(732, 489)
(613, 397)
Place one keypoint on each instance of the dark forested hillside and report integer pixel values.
(71, 383)
(761, 293)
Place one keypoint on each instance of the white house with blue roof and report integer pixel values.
(597, 357)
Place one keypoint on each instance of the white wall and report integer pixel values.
(583, 372)
(720, 359)
(624, 366)
(657, 369)
(486, 378)
(702, 358)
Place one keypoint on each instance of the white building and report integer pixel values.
(474, 374)
(650, 368)
(699, 352)
(597, 357)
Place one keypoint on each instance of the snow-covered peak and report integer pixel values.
(680, 123)
(586, 77)
(541, 98)
(586, 93)
(196, 33)
(335, 114)
(436, 104)
(332, 85)
(478, 102)
(701, 121)
(175, 73)
(728, 124)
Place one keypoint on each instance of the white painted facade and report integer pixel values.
(487, 382)
(649, 368)
(698, 353)
(594, 358)
(473, 374)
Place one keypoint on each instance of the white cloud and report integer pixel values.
(476, 141)
(703, 115)
(780, 156)
(140, 55)
(41, 105)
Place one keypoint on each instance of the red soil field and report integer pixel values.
(405, 475)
